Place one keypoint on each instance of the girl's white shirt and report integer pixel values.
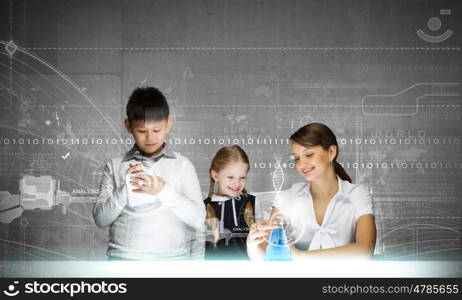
(339, 223)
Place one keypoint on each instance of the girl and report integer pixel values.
(230, 209)
(330, 215)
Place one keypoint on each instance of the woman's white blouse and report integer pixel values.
(339, 223)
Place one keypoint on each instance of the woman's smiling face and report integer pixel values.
(312, 162)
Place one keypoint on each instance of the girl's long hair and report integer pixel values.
(317, 134)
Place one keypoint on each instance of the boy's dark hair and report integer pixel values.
(147, 104)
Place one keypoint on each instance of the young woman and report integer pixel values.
(330, 216)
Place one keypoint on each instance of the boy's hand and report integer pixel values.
(147, 184)
(135, 168)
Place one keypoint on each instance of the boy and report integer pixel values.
(168, 222)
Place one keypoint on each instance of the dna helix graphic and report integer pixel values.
(278, 174)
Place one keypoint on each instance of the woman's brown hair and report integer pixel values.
(317, 134)
(223, 158)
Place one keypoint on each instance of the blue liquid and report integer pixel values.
(277, 249)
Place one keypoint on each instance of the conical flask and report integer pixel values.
(278, 248)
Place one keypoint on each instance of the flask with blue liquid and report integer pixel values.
(278, 246)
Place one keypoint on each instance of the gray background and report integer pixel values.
(247, 72)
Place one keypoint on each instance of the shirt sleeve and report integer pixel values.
(197, 244)
(186, 203)
(110, 201)
(362, 200)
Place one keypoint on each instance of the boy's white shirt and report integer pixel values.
(142, 232)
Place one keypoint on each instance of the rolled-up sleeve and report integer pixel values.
(111, 199)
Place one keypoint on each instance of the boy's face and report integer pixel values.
(149, 135)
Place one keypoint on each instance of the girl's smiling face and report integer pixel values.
(231, 179)
(312, 162)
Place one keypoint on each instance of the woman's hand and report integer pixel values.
(259, 233)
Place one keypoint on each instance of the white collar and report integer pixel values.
(305, 187)
(218, 198)
(221, 200)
